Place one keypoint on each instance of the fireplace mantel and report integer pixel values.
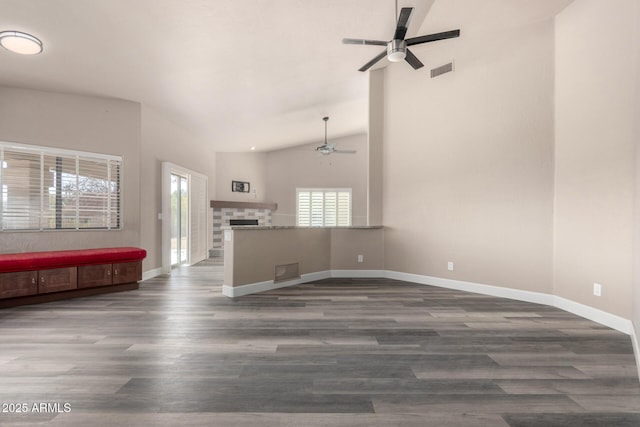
(243, 205)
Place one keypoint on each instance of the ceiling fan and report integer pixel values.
(397, 48)
(326, 148)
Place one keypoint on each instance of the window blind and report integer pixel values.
(43, 189)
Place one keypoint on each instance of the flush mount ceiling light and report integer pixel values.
(22, 43)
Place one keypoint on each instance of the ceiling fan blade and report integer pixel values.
(363, 41)
(370, 64)
(433, 37)
(413, 60)
(403, 23)
(345, 151)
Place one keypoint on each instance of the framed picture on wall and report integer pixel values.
(240, 186)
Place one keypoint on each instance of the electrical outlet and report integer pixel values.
(360, 258)
(597, 289)
(450, 266)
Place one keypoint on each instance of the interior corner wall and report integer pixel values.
(83, 123)
(164, 140)
(468, 162)
(245, 167)
(375, 144)
(594, 154)
(636, 250)
(303, 167)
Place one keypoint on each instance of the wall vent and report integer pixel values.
(286, 272)
(443, 69)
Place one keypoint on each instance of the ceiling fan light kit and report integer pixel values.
(397, 48)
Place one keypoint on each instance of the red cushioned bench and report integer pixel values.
(33, 277)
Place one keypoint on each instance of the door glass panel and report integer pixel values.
(175, 219)
(184, 220)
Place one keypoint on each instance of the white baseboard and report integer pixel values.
(477, 288)
(602, 317)
(607, 319)
(252, 288)
(239, 291)
(150, 274)
(635, 340)
(358, 273)
(320, 275)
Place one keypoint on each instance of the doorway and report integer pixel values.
(185, 221)
(179, 220)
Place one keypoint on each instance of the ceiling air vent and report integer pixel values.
(438, 71)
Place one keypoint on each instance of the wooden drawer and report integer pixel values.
(91, 276)
(127, 272)
(18, 284)
(57, 279)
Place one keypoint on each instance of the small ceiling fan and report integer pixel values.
(326, 148)
(397, 48)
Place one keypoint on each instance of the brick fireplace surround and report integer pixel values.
(223, 211)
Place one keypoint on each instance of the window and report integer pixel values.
(48, 189)
(323, 207)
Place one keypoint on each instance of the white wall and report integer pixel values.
(375, 146)
(163, 140)
(594, 153)
(303, 167)
(81, 123)
(636, 251)
(468, 161)
(246, 167)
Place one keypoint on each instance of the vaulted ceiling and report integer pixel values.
(244, 73)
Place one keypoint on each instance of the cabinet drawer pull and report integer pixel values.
(115, 272)
(108, 272)
(33, 280)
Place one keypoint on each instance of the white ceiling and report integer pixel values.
(238, 73)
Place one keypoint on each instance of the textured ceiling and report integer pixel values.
(238, 74)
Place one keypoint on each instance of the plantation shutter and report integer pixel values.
(317, 209)
(344, 208)
(323, 207)
(304, 208)
(330, 208)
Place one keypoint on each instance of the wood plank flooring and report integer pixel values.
(339, 352)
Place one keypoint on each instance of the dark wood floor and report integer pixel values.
(357, 352)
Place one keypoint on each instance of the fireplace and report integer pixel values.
(227, 213)
(234, 222)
